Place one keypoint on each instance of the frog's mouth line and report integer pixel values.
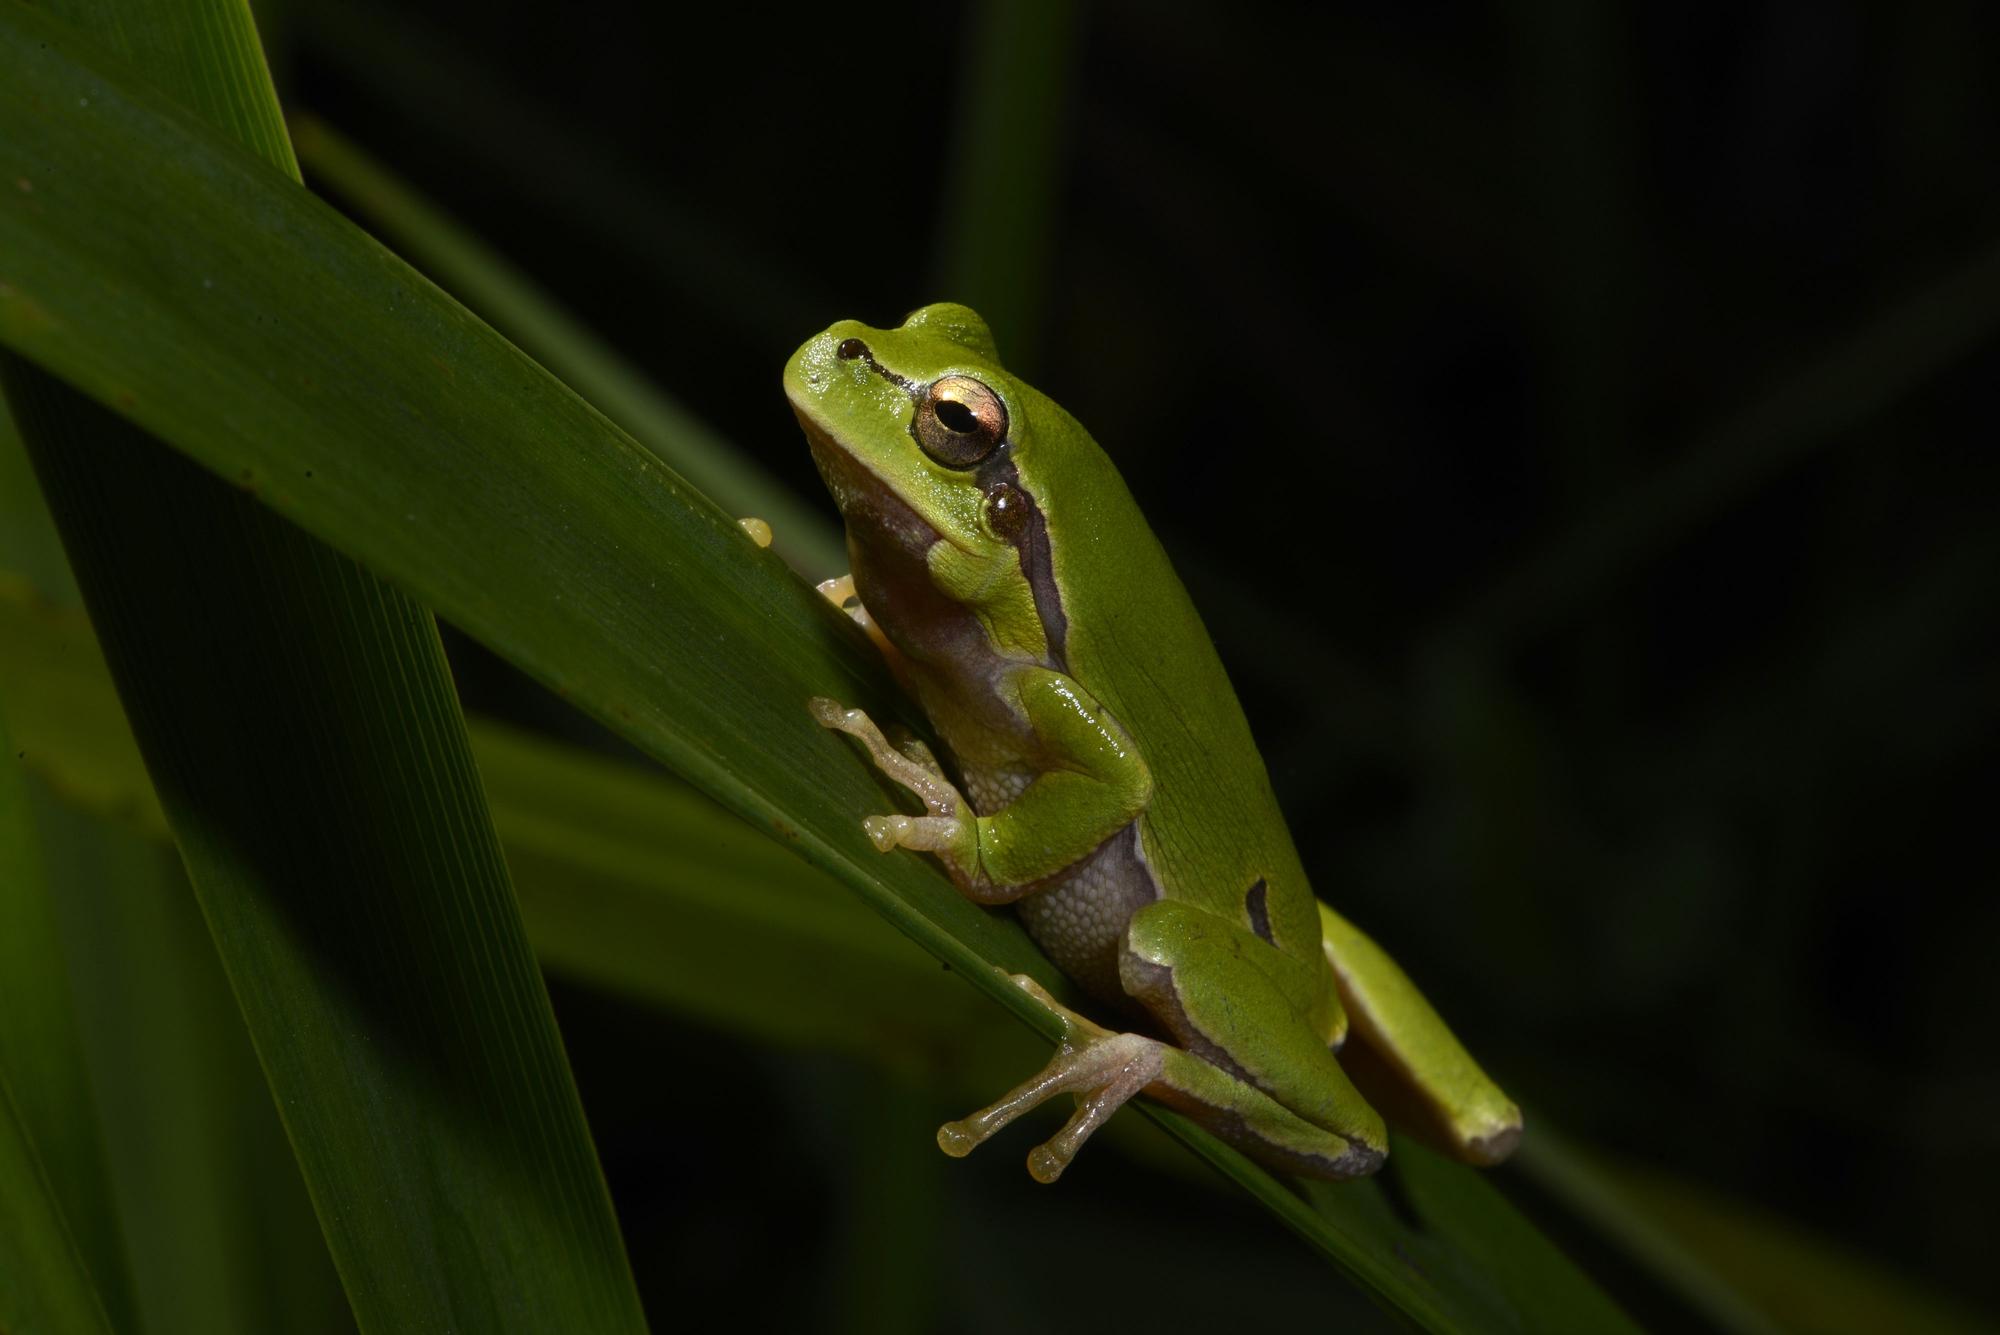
(863, 495)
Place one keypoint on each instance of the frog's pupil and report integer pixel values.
(956, 416)
(850, 348)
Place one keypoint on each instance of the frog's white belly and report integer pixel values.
(1079, 915)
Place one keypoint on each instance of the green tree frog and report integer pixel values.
(1101, 777)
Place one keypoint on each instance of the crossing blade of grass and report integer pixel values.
(61, 1265)
(44, 1285)
(1008, 166)
(29, 547)
(629, 881)
(1804, 1281)
(300, 728)
(39, 1054)
(286, 351)
(217, 1225)
(1559, 1169)
(476, 275)
(429, 79)
(641, 885)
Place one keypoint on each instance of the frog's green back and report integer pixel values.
(1135, 640)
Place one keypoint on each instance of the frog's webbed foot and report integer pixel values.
(946, 828)
(1101, 1068)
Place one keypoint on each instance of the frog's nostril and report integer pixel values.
(850, 348)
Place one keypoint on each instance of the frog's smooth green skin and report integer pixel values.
(1108, 786)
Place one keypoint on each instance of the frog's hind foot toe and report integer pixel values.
(1103, 1074)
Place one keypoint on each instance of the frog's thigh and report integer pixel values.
(1406, 1058)
(1255, 1122)
(1228, 997)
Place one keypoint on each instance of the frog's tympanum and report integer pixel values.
(1099, 775)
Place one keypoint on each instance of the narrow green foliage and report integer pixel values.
(378, 414)
(44, 1286)
(299, 725)
(220, 1235)
(48, 1145)
(480, 277)
(40, 1059)
(628, 880)
(1007, 167)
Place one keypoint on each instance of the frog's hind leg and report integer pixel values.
(1101, 1068)
(1247, 1020)
(1408, 1060)
(1104, 1069)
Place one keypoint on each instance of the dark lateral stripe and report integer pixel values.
(1260, 916)
(1032, 542)
(1037, 560)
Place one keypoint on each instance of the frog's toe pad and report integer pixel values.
(833, 714)
(1103, 1074)
(929, 834)
(883, 831)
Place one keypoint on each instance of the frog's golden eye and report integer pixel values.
(960, 421)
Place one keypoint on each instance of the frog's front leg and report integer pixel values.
(945, 829)
(1092, 785)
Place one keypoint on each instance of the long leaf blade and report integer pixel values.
(474, 273)
(44, 1285)
(40, 1057)
(382, 416)
(57, 1266)
(299, 724)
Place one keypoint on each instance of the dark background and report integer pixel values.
(1574, 422)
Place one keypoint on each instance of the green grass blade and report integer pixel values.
(49, 1153)
(633, 884)
(218, 1232)
(56, 691)
(478, 276)
(1804, 1281)
(215, 1217)
(300, 727)
(638, 884)
(382, 416)
(1008, 165)
(376, 412)
(628, 881)
(432, 81)
(1594, 1198)
(44, 1285)
(29, 547)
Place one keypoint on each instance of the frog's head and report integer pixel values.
(918, 431)
(902, 423)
